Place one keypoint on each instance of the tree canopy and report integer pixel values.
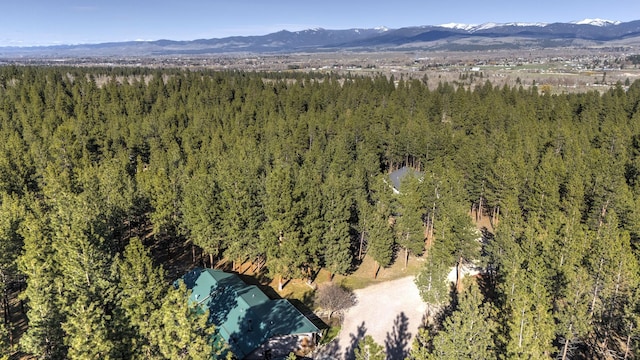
(290, 171)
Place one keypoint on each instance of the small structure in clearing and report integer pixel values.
(397, 176)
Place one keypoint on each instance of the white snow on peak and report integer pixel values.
(382, 28)
(539, 24)
(467, 27)
(596, 22)
(485, 26)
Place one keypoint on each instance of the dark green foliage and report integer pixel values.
(5, 349)
(432, 281)
(141, 290)
(468, 333)
(369, 349)
(177, 331)
(289, 170)
(379, 235)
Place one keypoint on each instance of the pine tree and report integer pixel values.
(241, 181)
(88, 331)
(5, 348)
(286, 253)
(368, 349)
(179, 331)
(380, 242)
(44, 337)
(432, 281)
(410, 224)
(337, 238)
(141, 290)
(468, 332)
(82, 256)
(12, 213)
(309, 190)
(528, 314)
(202, 211)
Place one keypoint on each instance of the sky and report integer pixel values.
(53, 22)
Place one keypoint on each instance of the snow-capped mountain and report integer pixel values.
(465, 27)
(596, 22)
(490, 35)
(486, 26)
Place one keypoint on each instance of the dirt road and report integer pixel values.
(391, 312)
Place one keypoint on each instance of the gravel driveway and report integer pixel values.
(391, 312)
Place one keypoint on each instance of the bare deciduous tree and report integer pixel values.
(332, 297)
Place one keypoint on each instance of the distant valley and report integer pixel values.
(446, 37)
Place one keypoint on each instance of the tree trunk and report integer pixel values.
(375, 274)
(211, 260)
(521, 329)
(433, 219)
(458, 275)
(5, 306)
(7, 315)
(595, 290)
(280, 283)
(193, 253)
(361, 242)
(406, 257)
(566, 345)
(626, 351)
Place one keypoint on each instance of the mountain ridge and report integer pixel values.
(515, 35)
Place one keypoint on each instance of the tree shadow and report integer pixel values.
(329, 351)
(397, 341)
(262, 282)
(304, 308)
(487, 236)
(350, 351)
(271, 327)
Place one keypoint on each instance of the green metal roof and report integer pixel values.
(243, 315)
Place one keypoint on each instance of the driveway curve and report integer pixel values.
(391, 312)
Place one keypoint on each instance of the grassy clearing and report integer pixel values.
(363, 276)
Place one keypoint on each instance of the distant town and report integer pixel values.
(558, 70)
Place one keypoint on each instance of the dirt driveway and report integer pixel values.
(391, 312)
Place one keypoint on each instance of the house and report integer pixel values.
(252, 325)
(397, 176)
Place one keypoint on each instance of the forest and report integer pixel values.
(100, 168)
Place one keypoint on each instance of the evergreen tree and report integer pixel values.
(432, 281)
(286, 253)
(337, 238)
(202, 211)
(5, 349)
(468, 332)
(178, 331)
(12, 214)
(380, 242)
(141, 290)
(410, 224)
(368, 349)
(241, 181)
(88, 331)
(44, 337)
